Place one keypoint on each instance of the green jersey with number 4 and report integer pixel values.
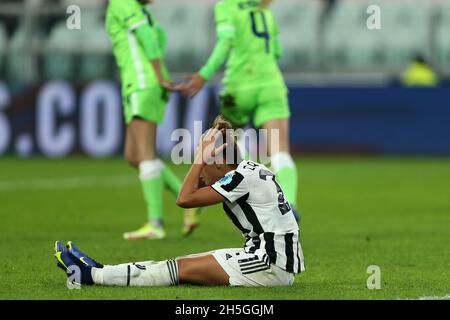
(255, 45)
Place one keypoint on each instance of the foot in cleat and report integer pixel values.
(71, 265)
(82, 257)
(190, 221)
(148, 231)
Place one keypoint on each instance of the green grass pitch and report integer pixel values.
(356, 212)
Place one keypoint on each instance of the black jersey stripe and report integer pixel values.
(252, 264)
(234, 219)
(247, 264)
(212, 187)
(128, 275)
(248, 259)
(259, 265)
(250, 214)
(266, 259)
(235, 181)
(256, 244)
(175, 275)
(171, 264)
(289, 252)
(170, 272)
(270, 247)
(175, 272)
(256, 270)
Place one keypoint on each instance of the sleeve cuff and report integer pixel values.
(205, 74)
(217, 189)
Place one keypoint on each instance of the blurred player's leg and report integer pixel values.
(140, 153)
(130, 149)
(171, 181)
(142, 135)
(272, 113)
(282, 163)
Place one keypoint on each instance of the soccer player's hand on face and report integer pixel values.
(193, 86)
(207, 151)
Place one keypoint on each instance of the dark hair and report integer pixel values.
(230, 138)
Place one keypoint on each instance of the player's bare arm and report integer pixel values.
(166, 84)
(190, 196)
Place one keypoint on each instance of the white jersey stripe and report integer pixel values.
(137, 60)
(137, 25)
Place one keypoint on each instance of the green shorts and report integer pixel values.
(262, 104)
(149, 104)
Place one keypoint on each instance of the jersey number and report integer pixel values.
(283, 205)
(265, 32)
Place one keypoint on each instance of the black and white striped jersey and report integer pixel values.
(256, 205)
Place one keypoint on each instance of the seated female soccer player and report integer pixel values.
(254, 202)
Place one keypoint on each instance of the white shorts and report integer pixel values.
(250, 270)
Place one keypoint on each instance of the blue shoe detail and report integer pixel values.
(82, 257)
(69, 263)
(62, 256)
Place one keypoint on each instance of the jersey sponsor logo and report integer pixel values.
(231, 181)
(226, 179)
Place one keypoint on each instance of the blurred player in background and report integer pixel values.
(138, 44)
(247, 37)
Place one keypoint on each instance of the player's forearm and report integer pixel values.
(158, 69)
(217, 58)
(190, 185)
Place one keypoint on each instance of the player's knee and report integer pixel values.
(184, 271)
(131, 159)
(144, 153)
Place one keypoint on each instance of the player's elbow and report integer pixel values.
(183, 202)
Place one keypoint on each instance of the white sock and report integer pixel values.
(150, 169)
(281, 160)
(141, 274)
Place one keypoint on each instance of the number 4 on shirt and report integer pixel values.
(265, 32)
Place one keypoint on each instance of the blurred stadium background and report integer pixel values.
(59, 89)
(350, 92)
